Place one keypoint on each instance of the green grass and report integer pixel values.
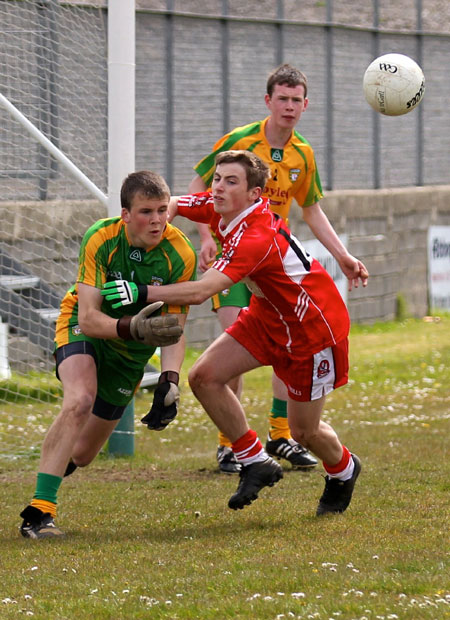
(152, 537)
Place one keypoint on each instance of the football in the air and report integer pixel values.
(394, 84)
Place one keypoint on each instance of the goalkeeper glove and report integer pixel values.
(125, 292)
(157, 331)
(165, 402)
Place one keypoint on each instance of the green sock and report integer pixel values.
(47, 487)
(279, 408)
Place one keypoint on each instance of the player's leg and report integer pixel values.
(117, 380)
(78, 375)
(209, 379)
(341, 466)
(308, 384)
(226, 459)
(227, 305)
(279, 442)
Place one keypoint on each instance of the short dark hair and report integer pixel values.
(150, 184)
(256, 170)
(289, 75)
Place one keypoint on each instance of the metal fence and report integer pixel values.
(201, 69)
(199, 75)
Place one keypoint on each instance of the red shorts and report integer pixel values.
(307, 376)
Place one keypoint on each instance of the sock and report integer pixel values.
(248, 449)
(46, 491)
(344, 469)
(223, 440)
(278, 421)
(44, 506)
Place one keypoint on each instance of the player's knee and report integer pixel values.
(77, 410)
(201, 375)
(82, 460)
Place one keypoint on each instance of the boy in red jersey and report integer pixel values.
(297, 323)
(294, 175)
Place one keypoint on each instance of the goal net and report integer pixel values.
(53, 77)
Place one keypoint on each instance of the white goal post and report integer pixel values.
(67, 141)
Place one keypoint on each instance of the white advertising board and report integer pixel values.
(439, 267)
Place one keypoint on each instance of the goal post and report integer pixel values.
(67, 141)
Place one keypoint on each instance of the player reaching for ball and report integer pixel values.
(293, 175)
(296, 322)
(102, 345)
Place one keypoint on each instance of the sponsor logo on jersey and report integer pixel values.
(124, 391)
(323, 369)
(225, 292)
(136, 255)
(293, 174)
(76, 330)
(156, 281)
(113, 275)
(276, 154)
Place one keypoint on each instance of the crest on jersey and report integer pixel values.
(136, 255)
(276, 154)
(156, 281)
(323, 369)
(293, 174)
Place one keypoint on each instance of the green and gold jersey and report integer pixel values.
(293, 169)
(106, 255)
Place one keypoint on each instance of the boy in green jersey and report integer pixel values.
(102, 345)
(294, 175)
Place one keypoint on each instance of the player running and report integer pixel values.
(102, 346)
(297, 323)
(294, 175)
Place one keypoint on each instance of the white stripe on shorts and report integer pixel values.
(323, 374)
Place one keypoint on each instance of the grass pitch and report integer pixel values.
(152, 537)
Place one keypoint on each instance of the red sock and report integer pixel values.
(343, 463)
(248, 449)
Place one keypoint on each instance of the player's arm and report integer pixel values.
(352, 268)
(93, 322)
(166, 397)
(208, 247)
(191, 292)
(153, 331)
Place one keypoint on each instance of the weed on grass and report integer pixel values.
(151, 536)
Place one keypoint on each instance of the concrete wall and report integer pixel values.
(387, 230)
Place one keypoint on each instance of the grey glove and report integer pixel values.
(157, 331)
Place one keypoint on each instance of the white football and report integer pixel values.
(394, 84)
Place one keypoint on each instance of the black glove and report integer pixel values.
(165, 402)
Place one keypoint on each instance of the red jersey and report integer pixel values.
(293, 296)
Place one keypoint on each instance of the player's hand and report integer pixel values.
(207, 254)
(125, 292)
(172, 211)
(165, 402)
(157, 331)
(355, 271)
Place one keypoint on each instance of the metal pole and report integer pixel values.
(121, 97)
(225, 69)
(121, 442)
(57, 154)
(375, 115)
(280, 33)
(170, 95)
(121, 149)
(420, 130)
(329, 138)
